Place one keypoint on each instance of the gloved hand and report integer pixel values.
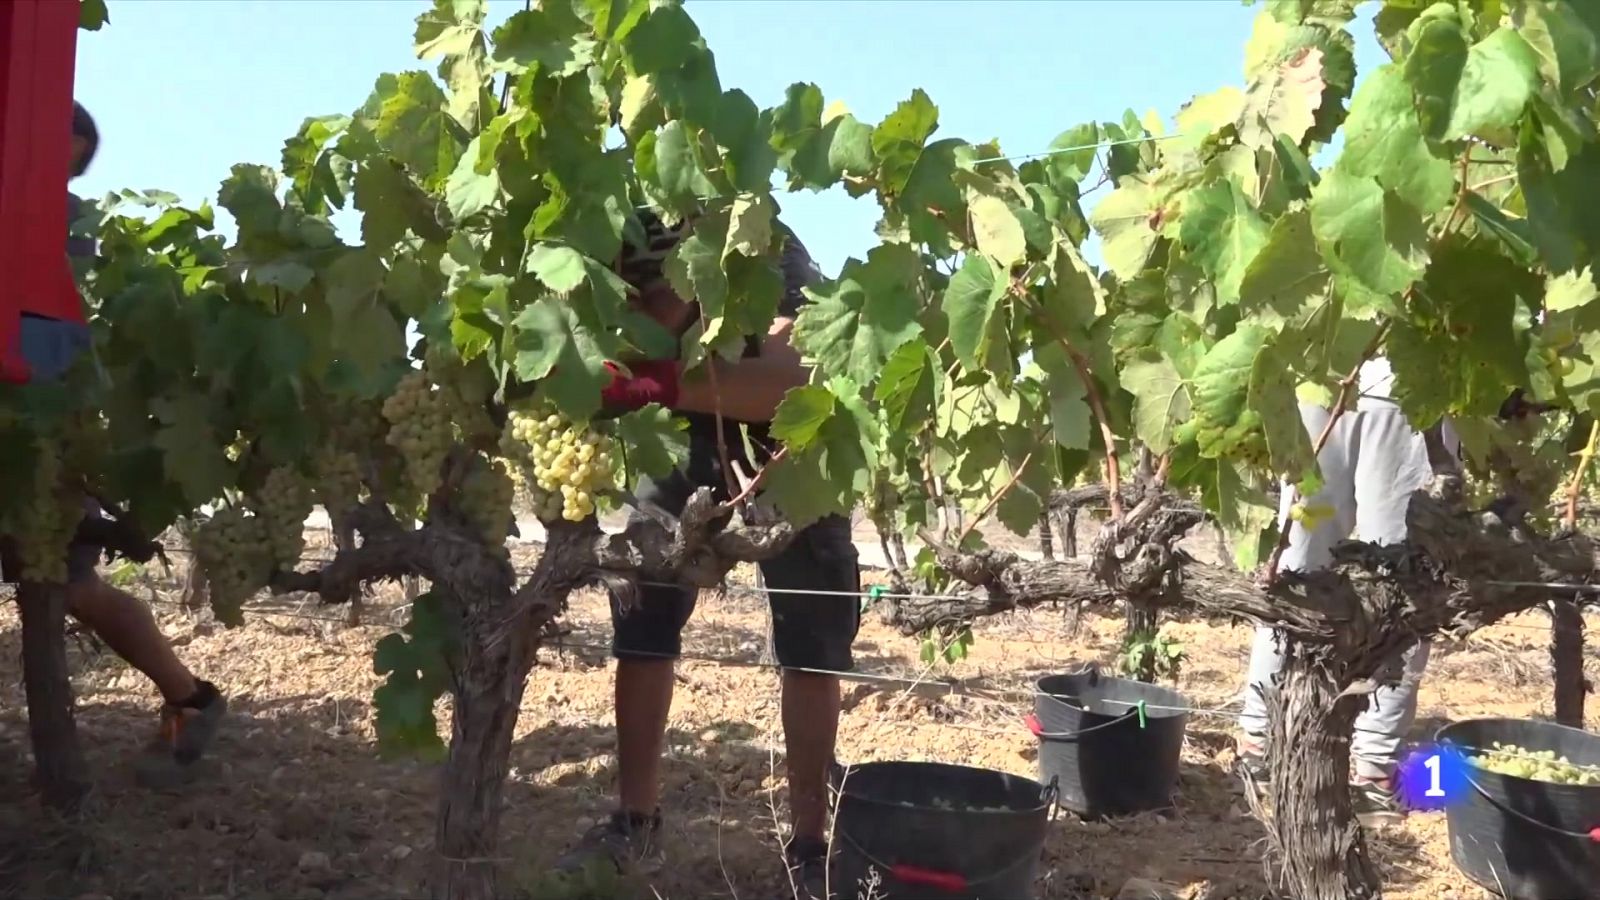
(653, 381)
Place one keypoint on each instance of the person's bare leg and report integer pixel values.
(810, 727)
(644, 698)
(128, 628)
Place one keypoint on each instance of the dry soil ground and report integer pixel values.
(297, 803)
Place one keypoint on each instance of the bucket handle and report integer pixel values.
(1051, 797)
(1035, 726)
(947, 882)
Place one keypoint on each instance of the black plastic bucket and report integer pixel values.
(1105, 757)
(930, 831)
(1519, 838)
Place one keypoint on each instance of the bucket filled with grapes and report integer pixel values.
(1528, 825)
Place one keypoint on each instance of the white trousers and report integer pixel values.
(1372, 462)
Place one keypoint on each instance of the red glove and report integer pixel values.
(653, 381)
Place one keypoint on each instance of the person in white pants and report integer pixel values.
(1371, 464)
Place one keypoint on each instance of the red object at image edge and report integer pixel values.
(38, 47)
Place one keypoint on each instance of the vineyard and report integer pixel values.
(299, 776)
(480, 364)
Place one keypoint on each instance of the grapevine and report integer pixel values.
(337, 474)
(487, 492)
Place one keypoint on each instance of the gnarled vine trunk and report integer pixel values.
(1566, 658)
(62, 774)
(487, 695)
(1323, 852)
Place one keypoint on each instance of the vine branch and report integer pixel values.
(1569, 520)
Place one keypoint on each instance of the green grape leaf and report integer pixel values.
(1223, 234)
(746, 137)
(1514, 234)
(1459, 348)
(850, 150)
(561, 269)
(829, 475)
(468, 191)
(1272, 396)
(1220, 399)
(655, 442)
(1069, 405)
(970, 303)
(678, 165)
(1066, 166)
(250, 195)
(798, 420)
(1383, 140)
(898, 140)
(408, 114)
(1569, 290)
(851, 324)
(538, 37)
(551, 344)
(1374, 243)
(1161, 400)
(1124, 222)
(1283, 101)
(1564, 225)
(190, 446)
(908, 387)
(750, 225)
(664, 40)
(318, 180)
(1288, 273)
(1565, 36)
(391, 203)
(448, 29)
(997, 230)
(1464, 90)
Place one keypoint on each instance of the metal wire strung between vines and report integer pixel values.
(1004, 696)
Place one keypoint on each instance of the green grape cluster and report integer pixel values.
(44, 521)
(235, 551)
(566, 462)
(485, 498)
(338, 478)
(281, 505)
(420, 428)
(1536, 765)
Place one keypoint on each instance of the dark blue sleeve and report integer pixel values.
(799, 273)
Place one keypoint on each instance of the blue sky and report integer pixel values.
(183, 89)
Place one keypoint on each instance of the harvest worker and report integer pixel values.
(810, 631)
(193, 708)
(1371, 464)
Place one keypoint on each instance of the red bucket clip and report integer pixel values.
(949, 882)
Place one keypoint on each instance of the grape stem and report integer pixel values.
(994, 501)
(755, 482)
(1097, 406)
(1569, 520)
(1347, 386)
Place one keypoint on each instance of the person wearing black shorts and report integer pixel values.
(812, 633)
(193, 708)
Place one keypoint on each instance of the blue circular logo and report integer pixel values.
(1432, 777)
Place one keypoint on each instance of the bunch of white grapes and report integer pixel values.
(1537, 765)
(338, 478)
(281, 504)
(485, 498)
(43, 522)
(235, 551)
(419, 427)
(566, 463)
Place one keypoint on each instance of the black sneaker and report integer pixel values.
(622, 844)
(1375, 803)
(807, 859)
